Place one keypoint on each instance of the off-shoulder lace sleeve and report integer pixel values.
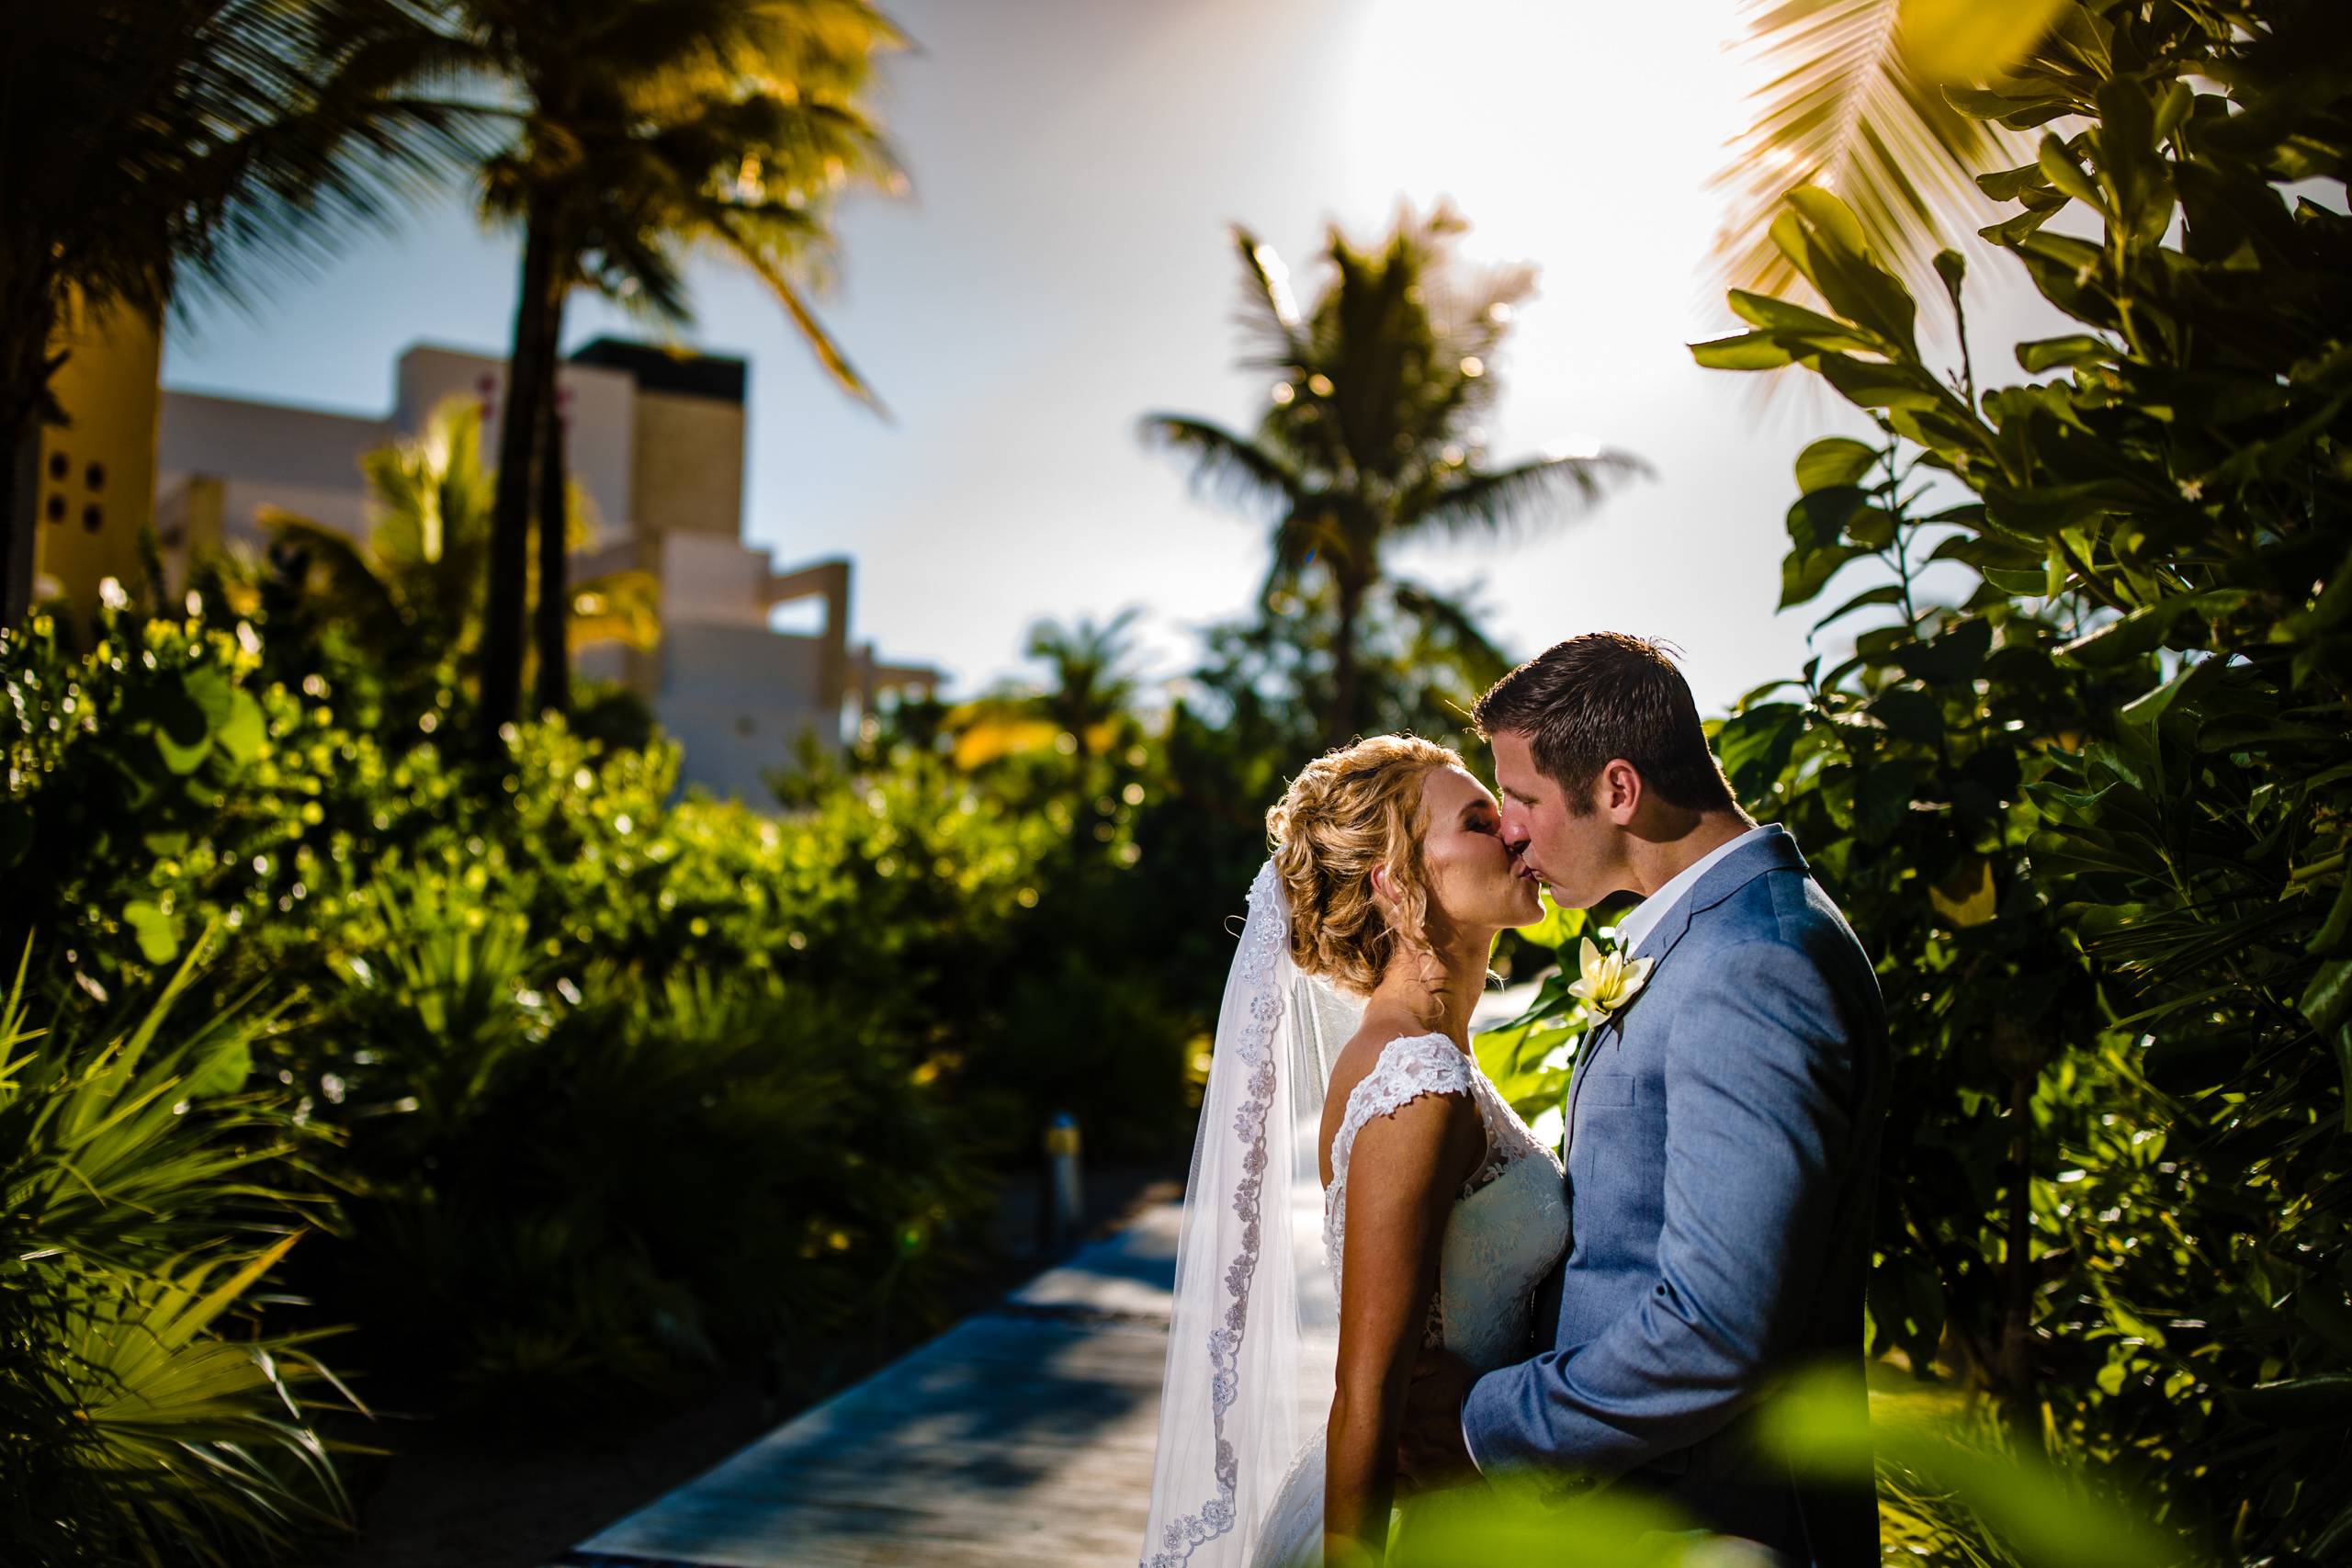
(1409, 1067)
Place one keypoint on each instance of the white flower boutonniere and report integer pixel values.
(1610, 980)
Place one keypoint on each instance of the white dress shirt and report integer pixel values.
(1650, 913)
(1645, 917)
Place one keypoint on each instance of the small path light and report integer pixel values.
(1065, 1198)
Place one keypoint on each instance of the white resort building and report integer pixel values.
(657, 442)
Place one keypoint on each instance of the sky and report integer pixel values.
(1060, 267)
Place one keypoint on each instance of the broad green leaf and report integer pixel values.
(2322, 1399)
(2327, 1000)
(243, 732)
(2076, 349)
(1952, 657)
(1820, 517)
(1872, 528)
(2021, 112)
(1837, 259)
(158, 933)
(1967, 897)
(224, 1072)
(1885, 593)
(1909, 713)
(2015, 584)
(1805, 573)
(2017, 227)
(2343, 1043)
(1981, 552)
(1833, 223)
(1834, 460)
(2058, 166)
(1876, 386)
(1557, 926)
(2006, 185)
(1754, 746)
(1882, 796)
(2144, 710)
(1795, 323)
(1749, 351)
(180, 726)
(2335, 932)
(2130, 164)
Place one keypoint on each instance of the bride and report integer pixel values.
(1343, 1099)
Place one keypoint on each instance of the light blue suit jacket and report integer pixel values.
(1722, 1159)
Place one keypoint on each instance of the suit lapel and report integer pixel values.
(1774, 851)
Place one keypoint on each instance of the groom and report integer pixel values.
(1723, 1127)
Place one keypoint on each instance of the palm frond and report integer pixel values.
(1236, 470)
(284, 133)
(735, 233)
(1845, 109)
(1451, 621)
(130, 1153)
(1269, 315)
(1541, 490)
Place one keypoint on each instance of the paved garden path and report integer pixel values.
(1022, 1436)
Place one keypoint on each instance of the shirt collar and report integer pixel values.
(1644, 917)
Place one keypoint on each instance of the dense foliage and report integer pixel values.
(608, 1088)
(2090, 812)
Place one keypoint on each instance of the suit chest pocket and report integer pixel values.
(1619, 1134)
(1601, 1088)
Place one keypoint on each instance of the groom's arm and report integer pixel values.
(1759, 1079)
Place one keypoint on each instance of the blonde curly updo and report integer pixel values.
(1350, 809)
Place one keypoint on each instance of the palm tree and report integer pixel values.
(1859, 102)
(413, 592)
(150, 145)
(1094, 681)
(1083, 708)
(1373, 431)
(648, 128)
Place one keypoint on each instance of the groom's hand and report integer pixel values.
(1429, 1452)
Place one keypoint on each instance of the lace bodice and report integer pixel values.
(1509, 1225)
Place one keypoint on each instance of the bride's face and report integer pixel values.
(1471, 873)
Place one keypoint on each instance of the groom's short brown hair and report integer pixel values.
(1605, 694)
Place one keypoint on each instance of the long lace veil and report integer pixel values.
(1254, 1329)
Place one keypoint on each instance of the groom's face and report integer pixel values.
(1572, 853)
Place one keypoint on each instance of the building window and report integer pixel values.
(94, 476)
(58, 465)
(90, 518)
(56, 507)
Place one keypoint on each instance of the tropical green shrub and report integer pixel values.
(555, 1197)
(144, 1415)
(470, 962)
(160, 779)
(2092, 815)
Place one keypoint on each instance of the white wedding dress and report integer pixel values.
(1508, 1226)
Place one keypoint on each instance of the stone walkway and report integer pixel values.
(1022, 1436)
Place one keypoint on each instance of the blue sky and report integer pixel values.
(1061, 268)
